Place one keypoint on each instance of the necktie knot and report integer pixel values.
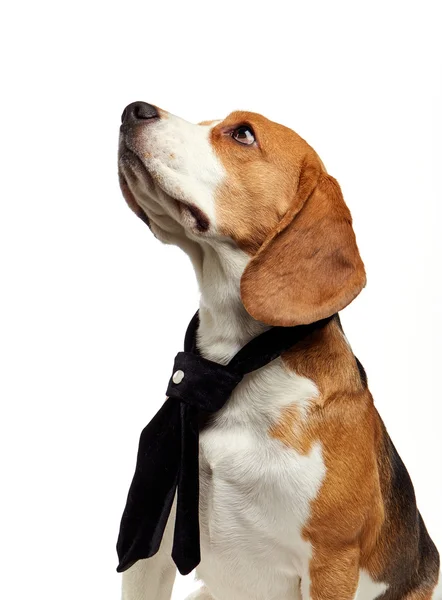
(202, 383)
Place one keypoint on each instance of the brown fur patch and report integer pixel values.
(334, 572)
(262, 178)
(309, 267)
(280, 206)
(162, 113)
(361, 517)
(348, 512)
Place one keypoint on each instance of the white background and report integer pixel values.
(93, 308)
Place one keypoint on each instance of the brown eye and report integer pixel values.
(244, 135)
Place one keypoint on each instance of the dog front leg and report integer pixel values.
(153, 578)
(149, 579)
(201, 594)
(333, 573)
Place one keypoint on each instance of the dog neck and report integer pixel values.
(225, 325)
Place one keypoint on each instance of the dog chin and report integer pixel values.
(185, 213)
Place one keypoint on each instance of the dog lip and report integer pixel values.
(124, 153)
(131, 201)
(125, 148)
(201, 220)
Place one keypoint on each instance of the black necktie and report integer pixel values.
(167, 460)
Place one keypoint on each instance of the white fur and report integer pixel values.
(255, 492)
(152, 578)
(437, 594)
(179, 164)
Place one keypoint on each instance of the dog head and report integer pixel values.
(255, 187)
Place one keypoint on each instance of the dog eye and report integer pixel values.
(244, 135)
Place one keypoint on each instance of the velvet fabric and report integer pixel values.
(167, 460)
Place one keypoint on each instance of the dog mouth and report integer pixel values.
(189, 214)
(200, 220)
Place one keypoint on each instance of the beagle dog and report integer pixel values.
(302, 493)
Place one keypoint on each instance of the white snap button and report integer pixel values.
(178, 376)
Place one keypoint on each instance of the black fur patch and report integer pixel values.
(413, 564)
(362, 373)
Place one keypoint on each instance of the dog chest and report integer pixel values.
(254, 502)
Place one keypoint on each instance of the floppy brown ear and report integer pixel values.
(309, 267)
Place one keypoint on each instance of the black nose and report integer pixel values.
(139, 111)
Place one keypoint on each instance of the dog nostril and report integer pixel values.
(146, 111)
(139, 111)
